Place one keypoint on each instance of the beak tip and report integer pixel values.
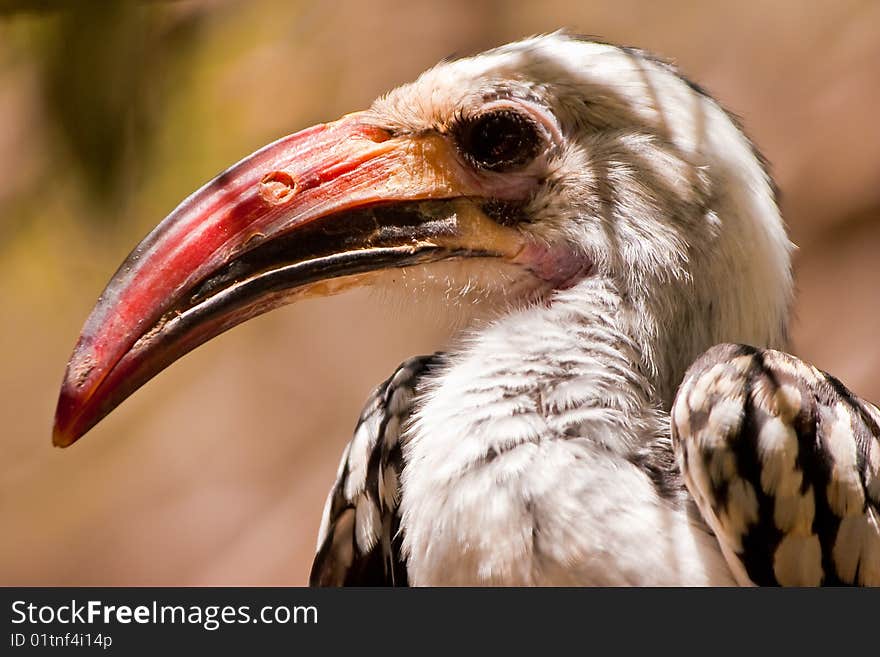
(65, 431)
(60, 439)
(62, 435)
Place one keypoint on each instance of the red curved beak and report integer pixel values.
(336, 201)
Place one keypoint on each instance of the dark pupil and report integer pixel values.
(501, 140)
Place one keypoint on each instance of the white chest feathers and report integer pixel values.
(519, 468)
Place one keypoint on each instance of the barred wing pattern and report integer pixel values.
(784, 463)
(359, 543)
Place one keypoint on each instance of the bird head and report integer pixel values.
(520, 173)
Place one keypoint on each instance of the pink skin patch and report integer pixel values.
(558, 266)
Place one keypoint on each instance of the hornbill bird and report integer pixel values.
(617, 413)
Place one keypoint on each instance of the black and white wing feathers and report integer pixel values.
(784, 464)
(359, 543)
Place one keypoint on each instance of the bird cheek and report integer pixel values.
(517, 186)
(557, 265)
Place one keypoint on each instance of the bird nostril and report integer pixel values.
(375, 134)
(277, 187)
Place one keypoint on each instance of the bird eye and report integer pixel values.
(499, 139)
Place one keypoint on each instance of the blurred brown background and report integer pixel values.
(112, 112)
